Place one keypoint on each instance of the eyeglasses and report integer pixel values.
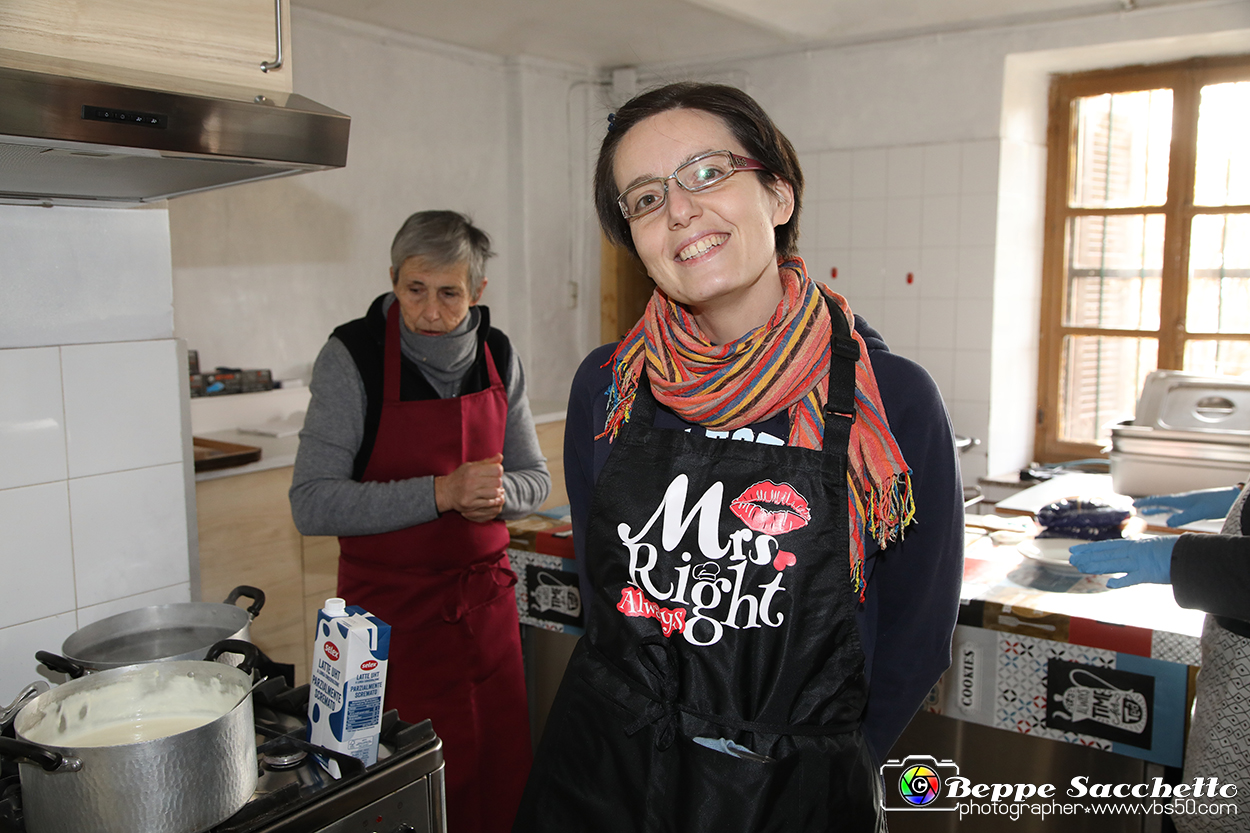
(698, 174)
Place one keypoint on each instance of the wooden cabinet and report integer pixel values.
(159, 43)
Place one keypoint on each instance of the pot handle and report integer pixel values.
(47, 759)
(59, 663)
(9, 712)
(251, 654)
(248, 592)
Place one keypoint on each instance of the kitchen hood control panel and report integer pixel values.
(124, 116)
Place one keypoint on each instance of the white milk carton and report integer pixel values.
(348, 680)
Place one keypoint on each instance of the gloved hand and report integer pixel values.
(1189, 506)
(1145, 560)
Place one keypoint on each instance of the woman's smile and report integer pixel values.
(713, 251)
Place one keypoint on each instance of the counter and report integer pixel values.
(1055, 654)
(275, 453)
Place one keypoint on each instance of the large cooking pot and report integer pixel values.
(163, 747)
(162, 632)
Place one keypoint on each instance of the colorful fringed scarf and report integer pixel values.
(783, 364)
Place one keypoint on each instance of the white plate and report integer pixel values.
(1051, 553)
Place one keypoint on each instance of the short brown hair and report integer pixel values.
(744, 117)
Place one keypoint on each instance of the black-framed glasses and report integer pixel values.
(698, 174)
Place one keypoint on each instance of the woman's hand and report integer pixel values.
(475, 489)
(1143, 560)
(1189, 506)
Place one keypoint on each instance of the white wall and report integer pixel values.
(926, 155)
(264, 272)
(95, 473)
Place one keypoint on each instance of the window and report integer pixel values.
(1147, 250)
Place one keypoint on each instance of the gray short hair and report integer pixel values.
(443, 238)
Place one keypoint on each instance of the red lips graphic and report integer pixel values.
(771, 508)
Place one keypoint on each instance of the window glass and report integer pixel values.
(1222, 174)
(1219, 274)
(1217, 357)
(1121, 149)
(1114, 271)
(1099, 383)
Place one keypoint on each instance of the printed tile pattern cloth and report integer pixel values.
(1021, 681)
(1175, 647)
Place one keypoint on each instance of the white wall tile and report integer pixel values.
(868, 173)
(941, 366)
(867, 223)
(941, 170)
(871, 310)
(976, 271)
(867, 272)
(898, 324)
(939, 224)
(78, 275)
(974, 324)
(939, 272)
(36, 558)
(835, 175)
(828, 260)
(834, 229)
(978, 167)
(18, 643)
(175, 594)
(122, 407)
(899, 263)
(905, 172)
(130, 532)
(902, 221)
(936, 327)
(978, 219)
(971, 419)
(32, 419)
(972, 375)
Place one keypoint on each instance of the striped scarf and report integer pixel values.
(783, 364)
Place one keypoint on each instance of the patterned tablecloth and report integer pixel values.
(1043, 650)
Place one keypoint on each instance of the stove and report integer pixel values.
(402, 793)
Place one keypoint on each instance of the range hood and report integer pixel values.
(74, 141)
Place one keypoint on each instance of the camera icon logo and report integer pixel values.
(915, 783)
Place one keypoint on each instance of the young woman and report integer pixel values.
(766, 508)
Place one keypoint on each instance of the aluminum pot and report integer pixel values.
(163, 747)
(162, 632)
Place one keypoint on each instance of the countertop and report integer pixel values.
(275, 453)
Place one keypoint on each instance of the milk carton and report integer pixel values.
(348, 680)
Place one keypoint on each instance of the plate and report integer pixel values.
(1051, 553)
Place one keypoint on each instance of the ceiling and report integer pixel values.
(618, 33)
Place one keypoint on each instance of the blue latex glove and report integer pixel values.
(1189, 506)
(1144, 560)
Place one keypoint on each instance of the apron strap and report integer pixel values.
(840, 406)
(390, 358)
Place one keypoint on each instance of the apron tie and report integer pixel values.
(662, 711)
(459, 603)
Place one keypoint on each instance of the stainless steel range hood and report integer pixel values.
(73, 141)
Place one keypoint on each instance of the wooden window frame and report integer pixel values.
(1185, 79)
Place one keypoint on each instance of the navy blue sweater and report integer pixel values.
(912, 599)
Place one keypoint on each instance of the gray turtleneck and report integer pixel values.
(325, 500)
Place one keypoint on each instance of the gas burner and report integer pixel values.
(282, 754)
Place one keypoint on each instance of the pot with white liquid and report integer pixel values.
(163, 747)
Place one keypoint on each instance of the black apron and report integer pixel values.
(720, 684)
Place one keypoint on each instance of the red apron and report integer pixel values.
(445, 588)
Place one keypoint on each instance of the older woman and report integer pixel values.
(417, 443)
(766, 506)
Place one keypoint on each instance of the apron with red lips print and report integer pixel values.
(720, 684)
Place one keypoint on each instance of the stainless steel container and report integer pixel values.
(1189, 432)
(193, 765)
(162, 632)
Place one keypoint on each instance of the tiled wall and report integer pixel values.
(93, 475)
(911, 233)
